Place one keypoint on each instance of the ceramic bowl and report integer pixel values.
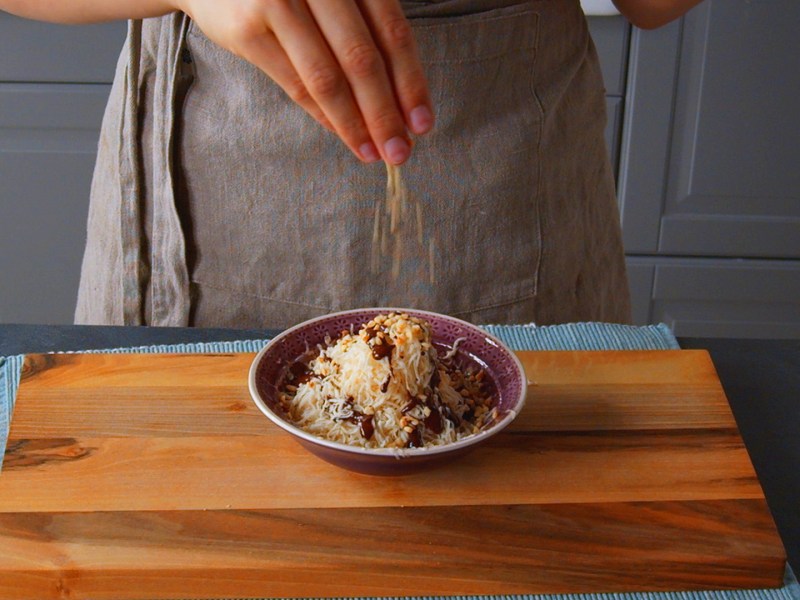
(477, 347)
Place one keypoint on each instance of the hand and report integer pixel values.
(650, 14)
(351, 64)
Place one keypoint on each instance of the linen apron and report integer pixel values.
(217, 202)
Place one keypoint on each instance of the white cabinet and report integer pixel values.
(712, 297)
(709, 181)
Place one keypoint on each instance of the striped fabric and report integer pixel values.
(585, 336)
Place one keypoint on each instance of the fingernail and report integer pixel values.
(421, 119)
(397, 150)
(369, 152)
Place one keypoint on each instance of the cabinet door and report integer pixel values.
(716, 297)
(48, 142)
(711, 154)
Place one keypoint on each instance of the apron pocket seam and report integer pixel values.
(227, 290)
(483, 307)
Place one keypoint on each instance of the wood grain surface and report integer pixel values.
(154, 476)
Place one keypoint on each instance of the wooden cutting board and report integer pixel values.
(154, 476)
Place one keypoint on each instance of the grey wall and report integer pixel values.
(54, 81)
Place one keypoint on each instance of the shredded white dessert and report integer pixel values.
(386, 387)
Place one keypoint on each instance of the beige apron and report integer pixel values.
(217, 202)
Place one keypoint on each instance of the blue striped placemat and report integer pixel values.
(572, 336)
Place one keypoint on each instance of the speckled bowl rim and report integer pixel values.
(389, 452)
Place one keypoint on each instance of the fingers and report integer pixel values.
(266, 53)
(364, 68)
(245, 31)
(318, 68)
(351, 64)
(396, 40)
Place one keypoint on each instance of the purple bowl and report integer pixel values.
(477, 347)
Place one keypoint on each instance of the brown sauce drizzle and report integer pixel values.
(436, 379)
(412, 404)
(450, 415)
(366, 426)
(434, 420)
(304, 378)
(382, 350)
(385, 384)
(365, 423)
(414, 439)
(300, 373)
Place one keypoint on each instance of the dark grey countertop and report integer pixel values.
(761, 379)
